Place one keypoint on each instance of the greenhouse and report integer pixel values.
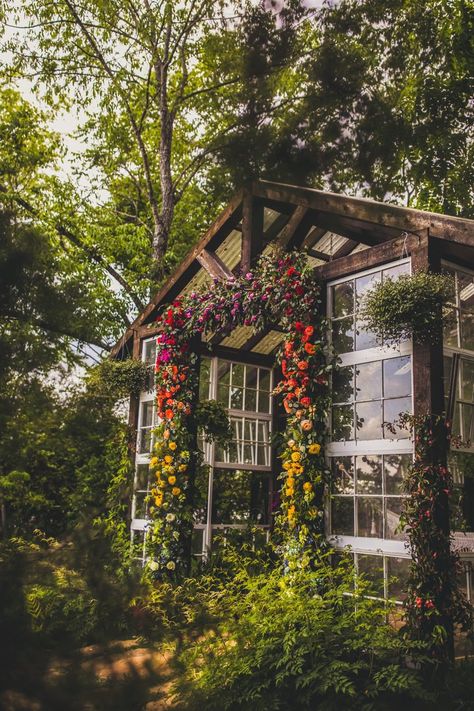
(351, 246)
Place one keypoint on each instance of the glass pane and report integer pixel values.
(204, 378)
(251, 400)
(342, 475)
(450, 330)
(263, 431)
(197, 540)
(392, 411)
(466, 291)
(264, 381)
(467, 412)
(262, 458)
(342, 516)
(238, 371)
(147, 414)
(240, 496)
(369, 474)
(365, 338)
(140, 505)
(396, 468)
(456, 426)
(251, 377)
(364, 284)
(343, 384)
(371, 567)
(248, 454)
(369, 517)
(369, 381)
(145, 440)
(397, 376)
(342, 423)
(369, 420)
(236, 424)
(263, 401)
(398, 570)
(343, 335)
(141, 480)
(250, 430)
(201, 493)
(149, 352)
(467, 330)
(237, 398)
(223, 394)
(343, 299)
(393, 509)
(461, 465)
(467, 380)
(447, 366)
(395, 272)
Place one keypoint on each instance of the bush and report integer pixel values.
(301, 641)
(410, 306)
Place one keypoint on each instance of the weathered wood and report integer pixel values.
(368, 258)
(252, 230)
(214, 266)
(312, 237)
(235, 354)
(454, 229)
(346, 248)
(275, 228)
(293, 233)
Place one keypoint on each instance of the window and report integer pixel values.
(459, 398)
(369, 452)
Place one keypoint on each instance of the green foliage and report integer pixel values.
(300, 641)
(211, 417)
(118, 379)
(396, 310)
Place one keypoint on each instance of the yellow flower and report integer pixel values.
(314, 448)
(176, 491)
(307, 487)
(158, 500)
(153, 462)
(290, 481)
(172, 446)
(295, 456)
(297, 469)
(286, 465)
(172, 480)
(182, 467)
(290, 491)
(168, 459)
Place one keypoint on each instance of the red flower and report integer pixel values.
(290, 271)
(169, 414)
(309, 330)
(305, 401)
(303, 365)
(298, 326)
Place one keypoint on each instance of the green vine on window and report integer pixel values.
(412, 305)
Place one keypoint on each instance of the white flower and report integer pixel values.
(170, 517)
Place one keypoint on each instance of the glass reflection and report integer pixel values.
(393, 510)
(343, 335)
(392, 411)
(369, 381)
(371, 567)
(369, 420)
(467, 380)
(343, 384)
(396, 468)
(343, 299)
(342, 516)
(397, 376)
(369, 474)
(240, 496)
(467, 330)
(141, 480)
(369, 517)
(342, 475)
(365, 338)
(398, 570)
(342, 423)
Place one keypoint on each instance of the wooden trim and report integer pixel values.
(454, 229)
(235, 354)
(368, 258)
(252, 230)
(214, 266)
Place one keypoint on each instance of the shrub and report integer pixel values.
(301, 641)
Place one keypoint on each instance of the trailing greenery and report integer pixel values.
(211, 417)
(118, 378)
(412, 305)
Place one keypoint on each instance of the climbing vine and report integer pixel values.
(281, 289)
(434, 601)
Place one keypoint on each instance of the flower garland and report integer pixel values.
(282, 290)
(434, 600)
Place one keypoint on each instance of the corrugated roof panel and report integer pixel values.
(269, 217)
(360, 248)
(230, 251)
(238, 337)
(269, 342)
(330, 243)
(200, 280)
(314, 261)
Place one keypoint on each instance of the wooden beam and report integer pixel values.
(368, 258)
(319, 255)
(214, 266)
(454, 229)
(252, 230)
(345, 249)
(237, 355)
(295, 230)
(216, 233)
(275, 228)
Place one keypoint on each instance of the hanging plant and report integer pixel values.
(118, 378)
(410, 306)
(280, 289)
(211, 418)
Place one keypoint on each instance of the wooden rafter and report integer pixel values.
(252, 229)
(214, 265)
(295, 230)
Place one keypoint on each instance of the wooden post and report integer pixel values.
(252, 230)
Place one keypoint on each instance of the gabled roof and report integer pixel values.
(327, 226)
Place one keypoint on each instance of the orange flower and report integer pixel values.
(306, 425)
(303, 365)
(310, 348)
(169, 414)
(309, 330)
